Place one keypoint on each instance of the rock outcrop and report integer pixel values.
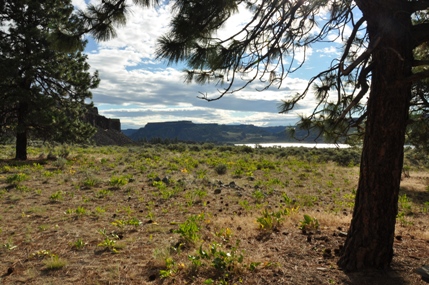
(108, 130)
(102, 122)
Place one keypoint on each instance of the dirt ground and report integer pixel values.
(74, 223)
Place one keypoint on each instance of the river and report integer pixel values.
(307, 145)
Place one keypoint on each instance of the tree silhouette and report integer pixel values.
(44, 74)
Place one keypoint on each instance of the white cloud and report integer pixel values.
(138, 89)
(330, 51)
(80, 4)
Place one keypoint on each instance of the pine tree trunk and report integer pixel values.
(21, 146)
(21, 135)
(369, 242)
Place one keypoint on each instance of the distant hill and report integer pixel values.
(188, 131)
(129, 132)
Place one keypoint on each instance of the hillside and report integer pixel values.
(189, 131)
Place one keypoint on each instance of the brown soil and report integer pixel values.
(44, 217)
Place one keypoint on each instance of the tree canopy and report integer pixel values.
(44, 73)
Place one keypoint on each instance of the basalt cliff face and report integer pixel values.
(100, 121)
(108, 130)
(217, 133)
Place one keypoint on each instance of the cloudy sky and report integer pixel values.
(138, 89)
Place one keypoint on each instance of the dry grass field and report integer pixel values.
(193, 214)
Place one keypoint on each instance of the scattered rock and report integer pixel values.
(166, 180)
(423, 272)
(322, 238)
(152, 277)
(327, 253)
(217, 191)
(9, 271)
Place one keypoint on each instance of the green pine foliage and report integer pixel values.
(45, 76)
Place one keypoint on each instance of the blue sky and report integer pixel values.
(138, 89)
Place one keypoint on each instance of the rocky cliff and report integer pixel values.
(102, 122)
(108, 130)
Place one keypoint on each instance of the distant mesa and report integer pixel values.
(217, 133)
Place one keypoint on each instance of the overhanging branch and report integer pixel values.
(419, 5)
(420, 33)
(362, 92)
(365, 55)
(415, 77)
(420, 62)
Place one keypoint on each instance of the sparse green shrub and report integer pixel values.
(265, 164)
(309, 224)
(118, 181)
(15, 179)
(193, 196)
(307, 200)
(287, 199)
(60, 163)
(80, 211)
(425, 208)
(195, 147)
(189, 230)
(55, 263)
(225, 262)
(90, 181)
(180, 147)
(404, 205)
(78, 244)
(221, 169)
(270, 220)
(132, 222)
(109, 242)
(238, 172)
(57, 196)
(171, 268)
(103, 193)
(246, 149)
(64, 151)
(258, 195)
(208, 146)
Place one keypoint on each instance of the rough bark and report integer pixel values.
(21, 135)
(369, 242)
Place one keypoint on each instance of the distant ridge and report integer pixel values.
(217, 133)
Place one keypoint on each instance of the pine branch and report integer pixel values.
(420, 33)
(419, 5)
